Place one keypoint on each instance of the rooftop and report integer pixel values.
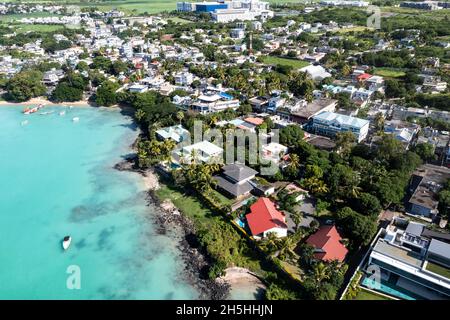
(398, 253)
(340, 119)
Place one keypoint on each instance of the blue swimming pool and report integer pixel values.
(386, 288)
(240, 223)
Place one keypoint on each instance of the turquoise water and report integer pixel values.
(56, 179)
(384, 287)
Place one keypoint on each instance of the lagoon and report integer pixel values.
(56, 179)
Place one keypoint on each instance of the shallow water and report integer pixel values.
(57, 179)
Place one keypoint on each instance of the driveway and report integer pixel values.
(307, 209)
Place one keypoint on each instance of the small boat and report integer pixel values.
(46, 113)
(66, 242)
(32, 110)
(76, 119)
(62, 113)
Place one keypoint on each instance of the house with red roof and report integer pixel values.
(265, 218)
(363, 77)
(327, 244)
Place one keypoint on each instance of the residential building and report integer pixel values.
(317, 73)
(264, 218)
(425, 184)
(235, 180)
(184, 78)
(327, 244)
(214, 102)
(203, 151)
(176, 133)
(273, 151)
(413, 262)
(330, 123)
(304, 114)
(138, 88)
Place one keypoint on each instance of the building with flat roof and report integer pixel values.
(176, 133)
(203, 151)
(330, 123)
(303, 114)
(425, 184)
(413, 264)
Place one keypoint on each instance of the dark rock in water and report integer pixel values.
(197, 261)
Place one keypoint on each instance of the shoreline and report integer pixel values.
(127, 110)
(47, 103)
(168, 217)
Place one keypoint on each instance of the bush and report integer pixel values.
(217, 270)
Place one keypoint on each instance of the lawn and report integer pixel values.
(14, 17)
(368, 295)
(438, 269)
(21, 28)
(189, 205)
(224, 201)
(179, 20)
(389, 72)
(354, 29)
(295, 63)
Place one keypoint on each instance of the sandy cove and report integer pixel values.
(241, 278)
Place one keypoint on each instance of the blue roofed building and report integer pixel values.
(209, 6)
(330, 123)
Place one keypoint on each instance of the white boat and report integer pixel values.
(66, 242)
(62, 113)
(46, 113)
(76, 119)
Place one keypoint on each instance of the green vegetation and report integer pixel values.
(216, 234)
(433, 267)
(368, 295)
(69, 88)
(22, 28)
(389, 72)
(294, 63)
(24, 86)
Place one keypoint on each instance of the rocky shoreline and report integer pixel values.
(197, 261)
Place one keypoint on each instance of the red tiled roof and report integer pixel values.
(255, 121)
(364, 76)
(264, 216)
(328, 239)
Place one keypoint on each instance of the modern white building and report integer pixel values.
(203, 151)
(330, 123)
(241, 10)
(183, 78)
(411, 262)
(176, 133)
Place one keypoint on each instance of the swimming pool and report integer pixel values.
(240, 223)
(386, 288)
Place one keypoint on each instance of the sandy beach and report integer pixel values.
(243, 280)
(45, 102)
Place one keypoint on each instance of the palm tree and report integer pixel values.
(287, 246)
(320, 273)
(379, 122)
(294, 163)
(296, 218)
(270, 243)
(139, 115)
(180, 116)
